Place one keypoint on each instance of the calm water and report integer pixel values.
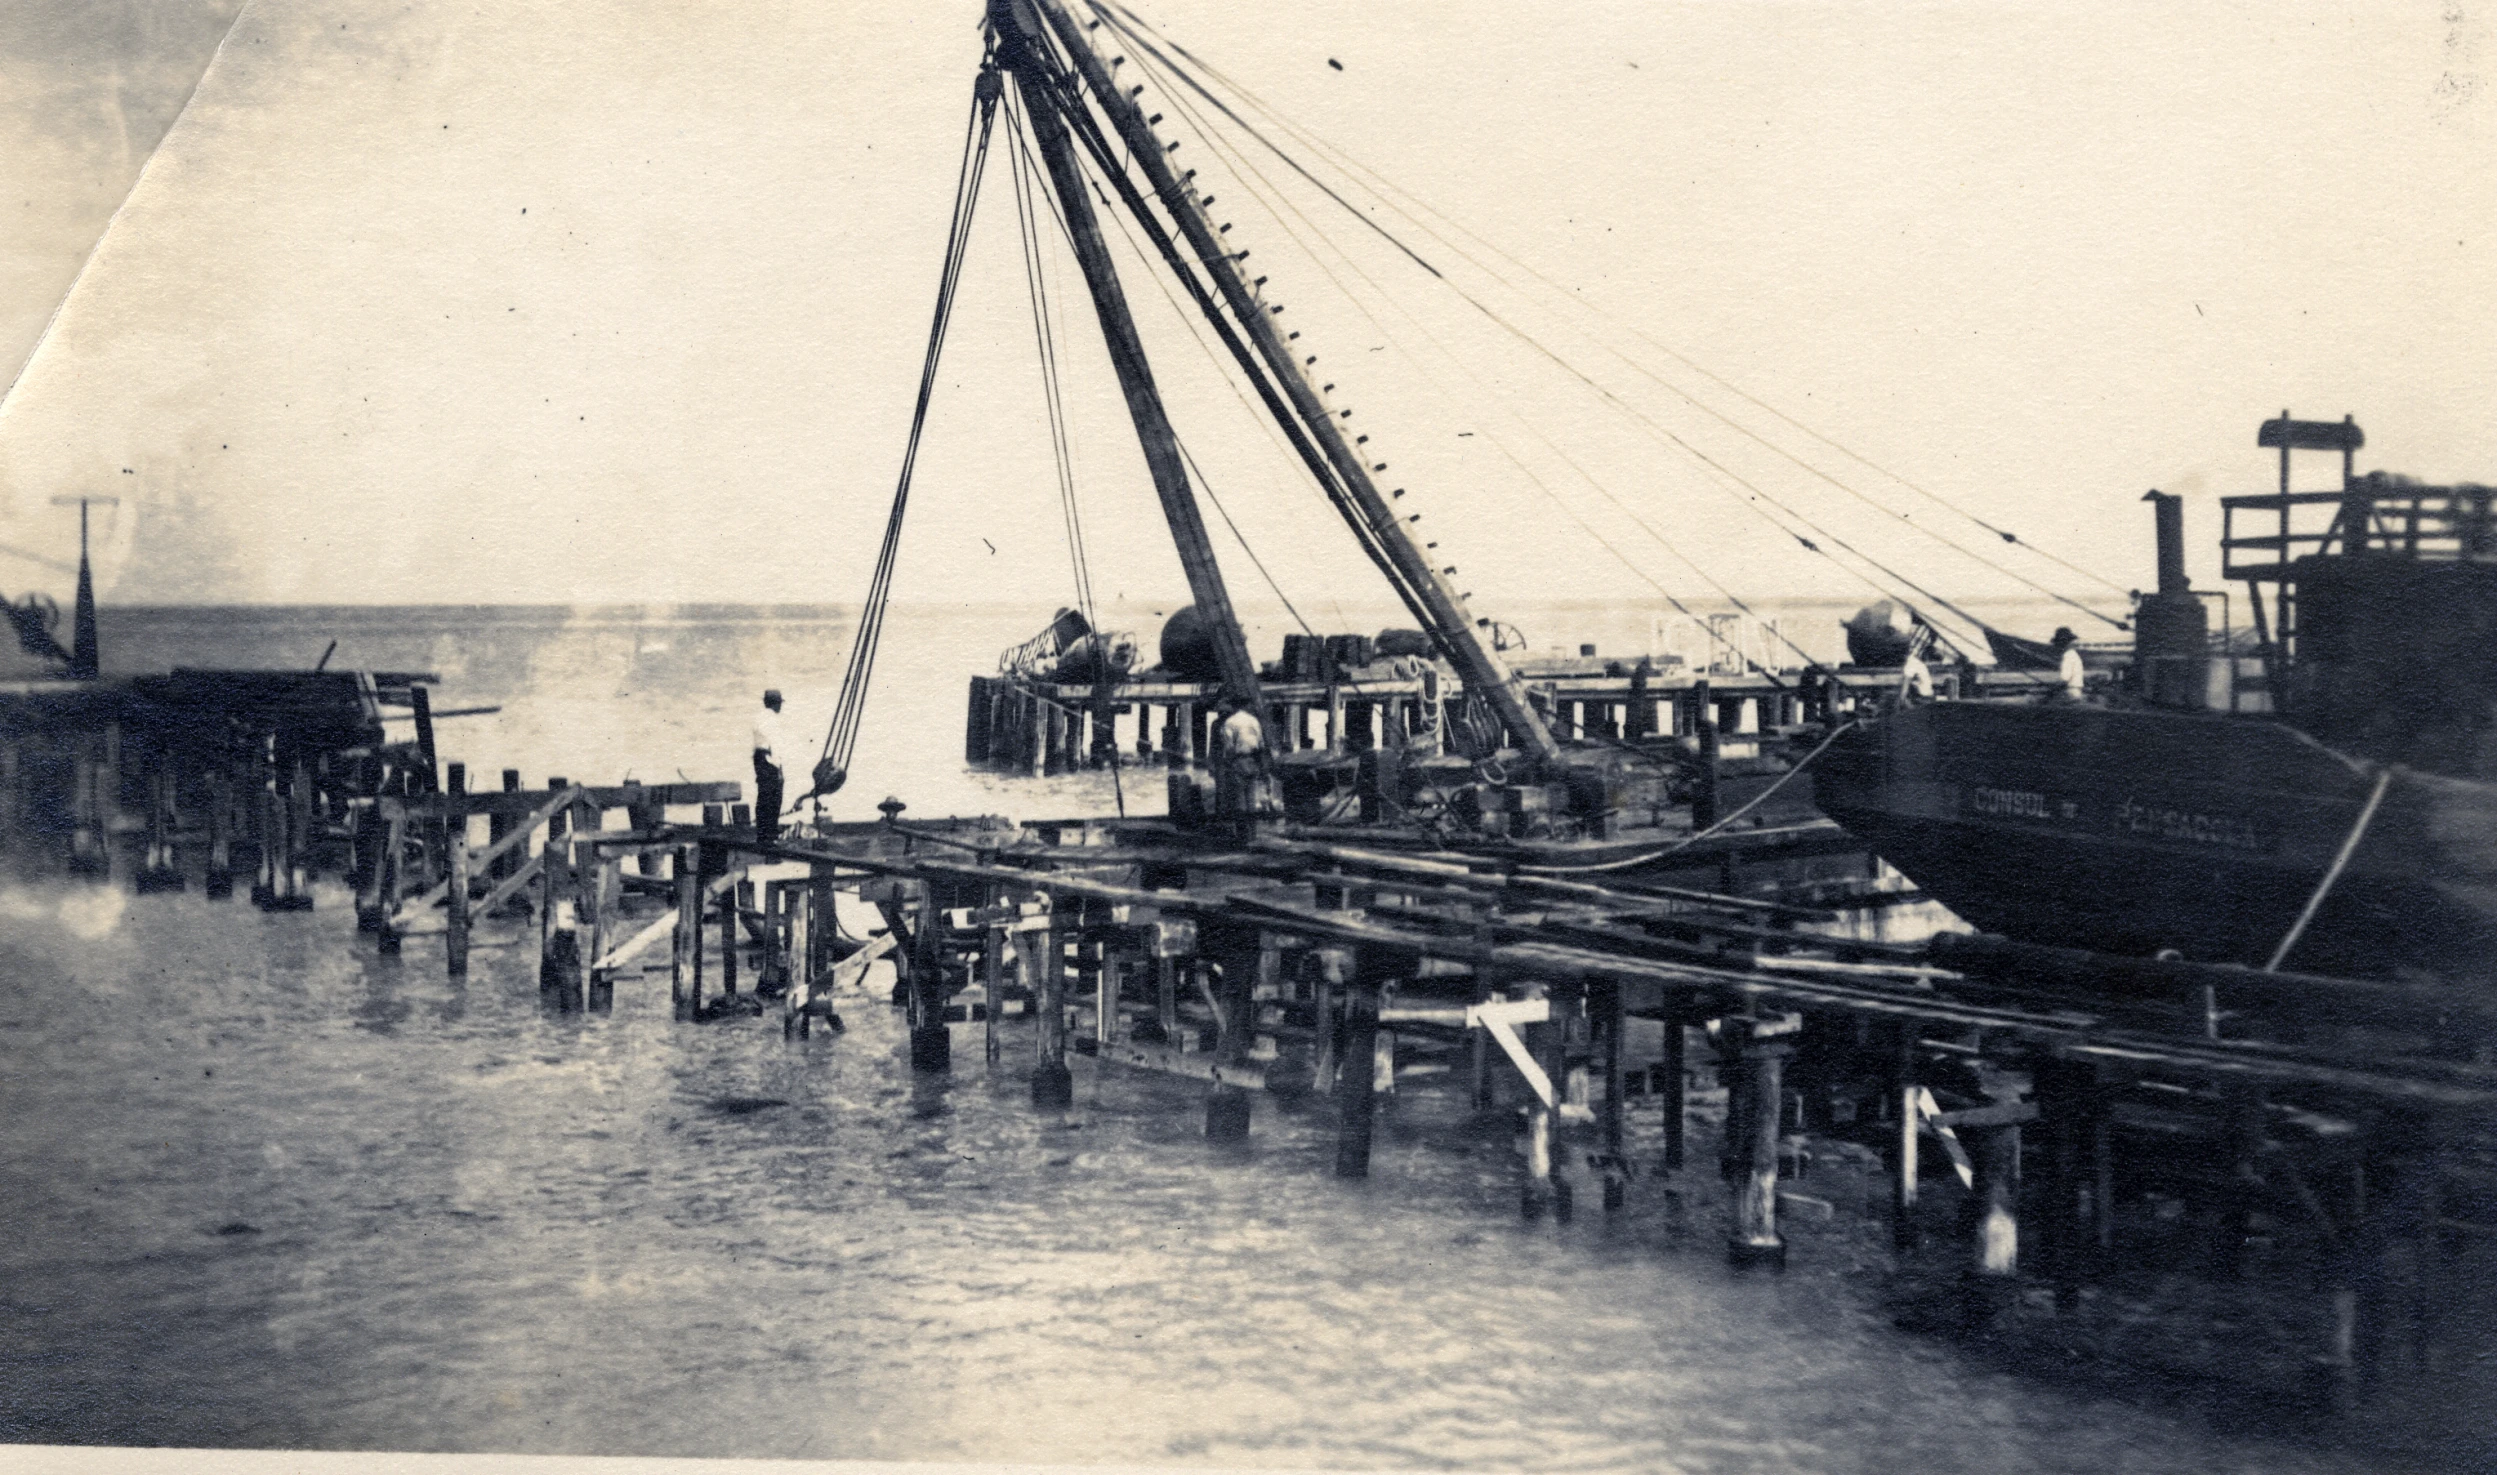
(263, 1187)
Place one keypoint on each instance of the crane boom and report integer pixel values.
(1023, 50)
(1484, 673)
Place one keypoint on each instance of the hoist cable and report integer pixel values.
(841, 738)
(1252, 179)
(1128, 28)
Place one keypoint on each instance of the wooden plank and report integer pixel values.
(523, 801)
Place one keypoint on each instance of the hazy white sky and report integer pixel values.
(624, 299)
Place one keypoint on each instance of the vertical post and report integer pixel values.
(1766, 1042)
(1674, 1088)
(219, 884)
(798, 899)
(993, 976)
(422, 701)
(1707, 804)
(1167, 997)
(268, 833)
(685, 976)
(1326, 1059)
(607, 887)
(1053, 1086)
(299, 840)
(455, 920)
(1356, 1088)
(1541, 1188)
(2064, 1106)
(1478, 1052)
(558, 947)
(1604, 999)
(499, 824)
(1904, 1167)
(1183, 745)
(1998, 1226)
(160, 872)
(728, 941)
(1104, 996)
(393, 857)
(1227, 1102)
(931, 1044)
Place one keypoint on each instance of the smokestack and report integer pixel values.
(2171, 633)
(2170, 511)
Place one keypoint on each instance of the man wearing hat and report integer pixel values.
(767, 769)
(2068, 672)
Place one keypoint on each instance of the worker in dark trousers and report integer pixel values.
(767, 770)
(1240, 762)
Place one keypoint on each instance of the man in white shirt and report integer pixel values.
(1240, 749)
(2070, 677)
(768, 765)
(1915, 680)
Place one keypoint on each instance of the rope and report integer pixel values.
(1129, 26)
(2323, 888)
(1261, 188)
(841, 739)
(1694, 838)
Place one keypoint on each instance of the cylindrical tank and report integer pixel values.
(1879, 634)
(1188, 646)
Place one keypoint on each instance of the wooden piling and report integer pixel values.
(1766, 1042)
(1996, 1268)
(975, 725)
(158, 870)
(1675, 1086)
(559, 951)
(2064, 1107)
(298, 890)
(455, 921)
(1356, 1089)
(1542, 1186)
(1905, 1170)
(1604, 1003)
(219, 882)
(499, 824)
(87, 841)
(1053, 1086)
(993, 978)
(391, 885)
(1326, 1045)
(728, 941)
(1166, 968)
(1234, 962)
(931, 1043)
(685, 976)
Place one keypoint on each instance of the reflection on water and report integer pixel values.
(264, 1187)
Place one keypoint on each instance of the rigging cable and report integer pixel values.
(1379, 185)
(1277, 205)
(1656, 430)
(841, 739)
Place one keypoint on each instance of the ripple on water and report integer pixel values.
(471, 1224)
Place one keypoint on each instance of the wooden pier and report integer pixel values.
(2046, 1095)
(1020, 725)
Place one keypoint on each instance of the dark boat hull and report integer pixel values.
(2136, 830)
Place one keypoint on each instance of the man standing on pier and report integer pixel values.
(767, 770)
(1240, 745)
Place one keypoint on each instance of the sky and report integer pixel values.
(625, 300)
